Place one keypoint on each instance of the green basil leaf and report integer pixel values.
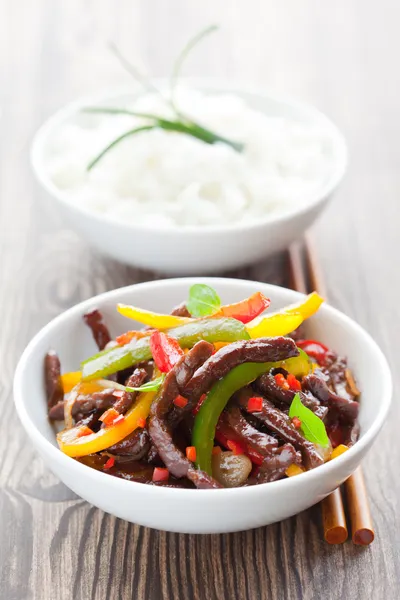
(203, 300)
(150, 386)
(312, 427)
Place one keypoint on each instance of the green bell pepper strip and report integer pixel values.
(217, 398)
(112, 360)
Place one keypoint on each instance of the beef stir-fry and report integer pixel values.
(209, 396)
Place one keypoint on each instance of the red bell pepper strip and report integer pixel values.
(314, 349)
(166, 351)
(247, 310)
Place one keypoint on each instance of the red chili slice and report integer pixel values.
(281, 381)
(255, 404)
(141, 422)
(110, 463)
(160, 474)
(191, 453)
(119, 420)
(296, 422)
(314, 349)
(109, 416)
(294, 383)
(180, 401)
(200, 402)
(83, 430)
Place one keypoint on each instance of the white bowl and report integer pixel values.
(193, 250)
(187, 510)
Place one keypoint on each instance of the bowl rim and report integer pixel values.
(56, 456)
(316, 197)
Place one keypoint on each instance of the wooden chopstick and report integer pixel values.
(362, 531)
(297, 275)
(357, 498)
(333, 516)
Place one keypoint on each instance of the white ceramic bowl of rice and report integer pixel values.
(169, 202)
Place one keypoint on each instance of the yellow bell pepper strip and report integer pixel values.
(122, 357)
(151, 319)
(74, 444)
(294, 470)
(341, 449)
(307, 308)
(286, 320)
(70, 380)
(273, 325)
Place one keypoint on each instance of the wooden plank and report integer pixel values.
(343, 57)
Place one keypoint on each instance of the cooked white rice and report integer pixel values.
(170, 179)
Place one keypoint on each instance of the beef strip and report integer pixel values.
(136, 445)
(127, 399)
(352, 435)
(94, 320)
(159, 428)
(153, 457)
(346, 409)
(280, 423)
(52, 377)
(234, 426)
(334, 368)
(266, 383)
(228, 357)
(132, 470)
(181, 311)
(84, 405)
(123, 375)
(298, 333)
(274, 466)
(90, 420)
(101, 400)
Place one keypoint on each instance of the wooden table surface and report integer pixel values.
(343, 57)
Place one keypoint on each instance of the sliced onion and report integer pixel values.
(231, 470)
(68, 406)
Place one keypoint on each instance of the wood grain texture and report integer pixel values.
(342, 56)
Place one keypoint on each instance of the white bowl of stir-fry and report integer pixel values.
(245, 405)
(169, 202)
